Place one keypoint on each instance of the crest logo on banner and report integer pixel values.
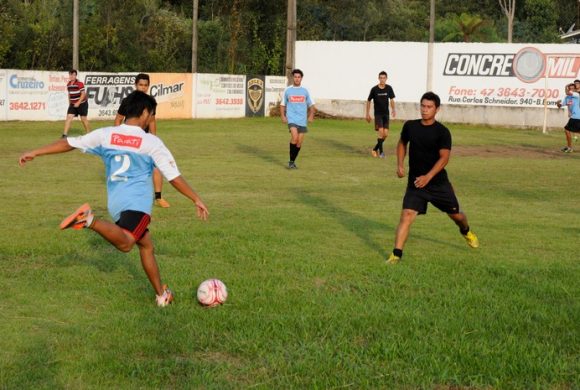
(255, 96)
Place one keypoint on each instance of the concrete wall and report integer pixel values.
(521, 117)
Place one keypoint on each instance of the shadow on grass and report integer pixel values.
(361, 227)
(345, 148)
(260, 153)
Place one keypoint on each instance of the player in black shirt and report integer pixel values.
(382, 96)
(142, 84)
(429, 150)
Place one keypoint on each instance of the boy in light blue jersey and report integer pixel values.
(297, 109)
(129, 155)
(572, 101)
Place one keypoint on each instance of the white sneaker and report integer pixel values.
(164, 299)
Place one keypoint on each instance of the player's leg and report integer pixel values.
(147, 254)
(164, 296)
(67, 124)
(378, 127)
(158, 186)
(294, 139)
(383, 134)
(568, 141)
(85, 122)
(408, 216)
(460, 220)
(83, 218)
(443, 197)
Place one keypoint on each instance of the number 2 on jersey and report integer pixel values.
(125, 164)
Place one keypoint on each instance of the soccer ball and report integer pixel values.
(212, 292)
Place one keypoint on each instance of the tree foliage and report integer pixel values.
(246, 36)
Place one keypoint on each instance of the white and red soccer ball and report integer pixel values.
(212, 292)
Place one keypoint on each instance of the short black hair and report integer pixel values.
(142, 76)
(72, 71)
(294, 71)
(431, 96)
(137, 102)
(576, 81)
(383, 73)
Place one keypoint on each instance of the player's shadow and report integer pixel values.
(342, 147)
(260, 153)
(365, 229)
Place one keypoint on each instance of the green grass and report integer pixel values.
(312, 303)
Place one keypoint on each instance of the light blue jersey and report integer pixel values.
(297, 100)
(129, 155)
(573, 103)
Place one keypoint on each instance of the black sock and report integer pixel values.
(398, 252)
(464, 232)
(378, 145)
(381, 145)
(293, 152)
(297, 151)
(158, 195)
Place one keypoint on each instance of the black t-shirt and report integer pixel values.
(424, 145)
(123, 111)
(380, 98)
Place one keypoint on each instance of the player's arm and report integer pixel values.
(401, 153)
(392, 102)
(283, 113)
(182, 186)
(368, 111)
(60, 146)
(311, 112)
(422, 181)
(81, 98)
(153, 125)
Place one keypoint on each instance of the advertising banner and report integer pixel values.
(57, 97)
(275, 86)
(173, 92)
(26, 95)
(516, 75)
(220, 96)
(105, 92)
(255, 94)
(3, 99)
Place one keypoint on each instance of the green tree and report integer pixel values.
(538, 22)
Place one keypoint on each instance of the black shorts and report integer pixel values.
(573, 125)
(135, 222)
(441, 196)
(81, 110)
(381, 121)
(301, 129)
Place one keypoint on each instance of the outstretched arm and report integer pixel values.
(182, 186)
(60, 146)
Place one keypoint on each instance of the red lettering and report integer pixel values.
(126, 140)
(297, 99)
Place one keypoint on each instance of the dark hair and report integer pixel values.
(142, 76)
(137, 102)
(72, 71)
(294, 71)
(431, 97)
(576, 81)
(383, 73)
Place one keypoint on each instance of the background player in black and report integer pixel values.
(142, 84)
(77, 103)
(429, 151)
(382, 95)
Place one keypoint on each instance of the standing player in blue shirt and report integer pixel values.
(572, 101)
(129, 155)
(297, 109)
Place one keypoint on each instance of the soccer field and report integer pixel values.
(311, 302)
